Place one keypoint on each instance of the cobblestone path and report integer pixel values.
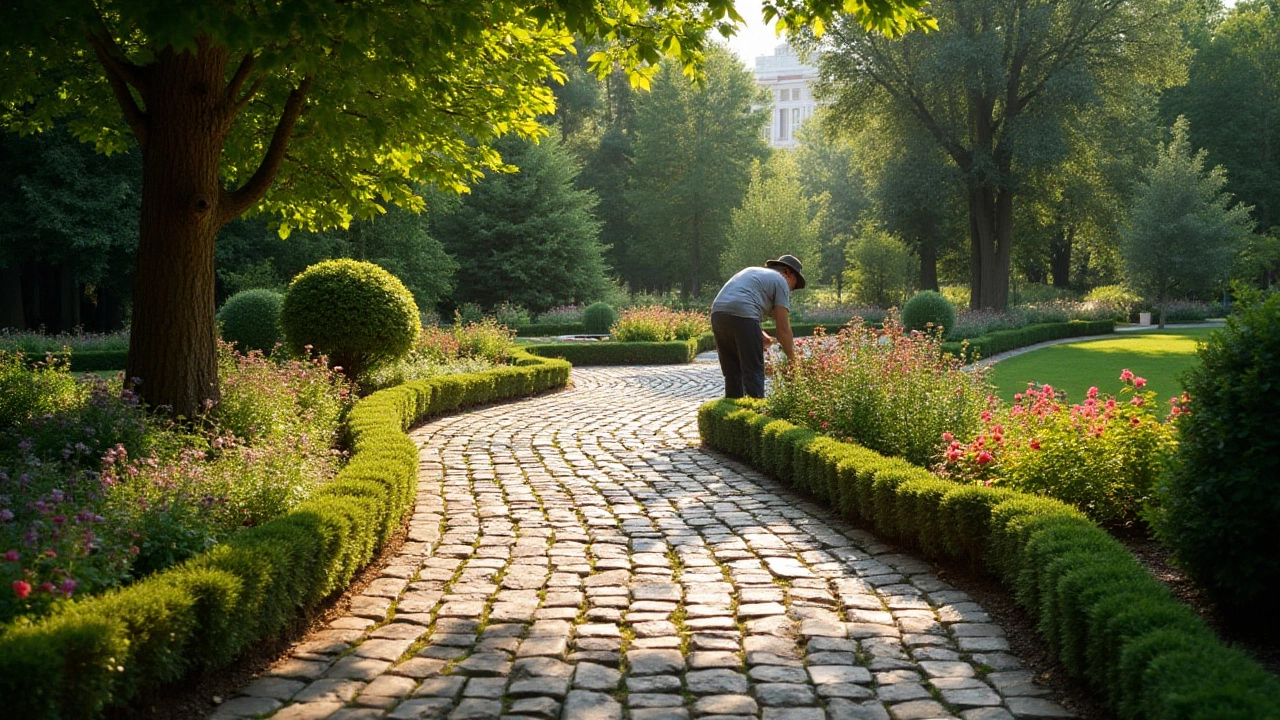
(579, 556)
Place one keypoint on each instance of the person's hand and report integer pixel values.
(768, 340)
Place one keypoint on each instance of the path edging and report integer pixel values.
(1102, 612)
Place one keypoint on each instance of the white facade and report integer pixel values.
(790, 82)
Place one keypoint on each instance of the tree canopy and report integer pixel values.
(776, 218)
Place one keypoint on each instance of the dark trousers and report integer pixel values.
(741, 350)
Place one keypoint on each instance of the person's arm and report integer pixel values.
(782, 318)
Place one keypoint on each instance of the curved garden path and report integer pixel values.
(579, 555)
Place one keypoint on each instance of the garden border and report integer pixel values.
(1101, 612)
(675, 352)
(985, 346)
(99, 652)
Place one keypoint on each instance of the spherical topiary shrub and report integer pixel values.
(928, 307)
(1219, 507)
(251, 319)
(355, 312)
(598, 318)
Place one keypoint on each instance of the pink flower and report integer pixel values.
(1093, 392)
(11, 556)
(983, 458)
(948, 436)
(1136, 401)
(47, 587)
(1139, 382)
(22, 589)
(1126, 375)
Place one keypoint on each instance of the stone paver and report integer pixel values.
(579, 555)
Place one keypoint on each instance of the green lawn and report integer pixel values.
(1160, 356)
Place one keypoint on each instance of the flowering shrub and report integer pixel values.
(466, 347)
(97, 492)
(655, 323)
(1103, 455)
(892, 391)
(561, 315)
(487, 340)
(27, 392)
(511, 315)
(975, 323)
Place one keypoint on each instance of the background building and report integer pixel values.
(790, 82)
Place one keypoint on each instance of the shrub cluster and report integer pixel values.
(1103, 455)
(29, 390)
(892, 391)
(550, 330)
(976, 323)
(561, 315)
(1107, 619)
(1221, 506)
(250, 319)
(101, 652)
(997, 342)
(673, 352)
(659, 324)
(465, 347)
(356, 313)
(927, 310)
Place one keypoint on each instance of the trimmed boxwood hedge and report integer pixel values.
(99, 652)
(1104, 615)
(550, 329)
(984, 346)
(626, 353)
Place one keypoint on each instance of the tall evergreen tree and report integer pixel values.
(1183, 230)
(527, 237)
(694, 144)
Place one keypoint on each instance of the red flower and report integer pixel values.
(983, 458)
(1034, 444)
(11, 556)
(22, 589)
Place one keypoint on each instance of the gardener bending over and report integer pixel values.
(736, 315)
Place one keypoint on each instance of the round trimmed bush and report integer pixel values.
(251, 319)
(356, 313)
(598, 318)
(928, 307)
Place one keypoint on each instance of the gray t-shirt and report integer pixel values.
(753, 293)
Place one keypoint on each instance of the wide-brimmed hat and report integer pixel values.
(791, 263)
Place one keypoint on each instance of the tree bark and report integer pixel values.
(172, 343)
(12, 314)
(991, 226)
(1060, 256)
(928, 267)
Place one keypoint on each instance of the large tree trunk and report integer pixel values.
(172, 345)
(991, 221)
(928, 267)
(1060, 256)
(12, 314)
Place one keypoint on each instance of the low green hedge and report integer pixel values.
(627, 353)
(550, 329)
(99, 652)
(984, 346)
(1109, 621)
(86, 360)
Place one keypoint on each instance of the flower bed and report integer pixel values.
(658, 324)
(1103, 614)
(86, 656)
(673, 352)
(96, 493)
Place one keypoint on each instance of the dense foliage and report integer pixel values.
(250, 319)
(1221, 506)
(891, 390)
(356, 313)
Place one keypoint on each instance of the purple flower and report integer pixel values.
(6, 515)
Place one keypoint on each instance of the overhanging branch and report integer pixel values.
(235, 202)
(120, 75)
